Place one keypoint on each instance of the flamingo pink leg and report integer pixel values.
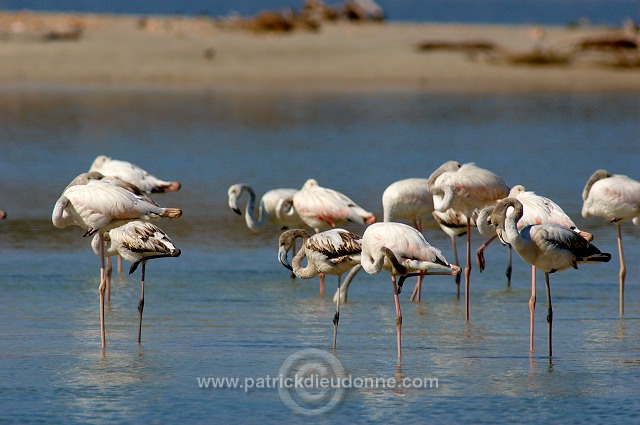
(101, 290)
(623, 268)
(467, 269)
(549, 312)
(417, 291)
(532, 307)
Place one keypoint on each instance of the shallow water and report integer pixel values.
(227, 308)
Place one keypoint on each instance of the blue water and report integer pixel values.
(227, 308)
(547, 12)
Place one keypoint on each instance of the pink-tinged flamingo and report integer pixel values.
(409, 199)
(536, 210)
(465, 188)
(614, 197)
(323, 208)
(402, 251)
(137, 241)
(333, 251)
(549, 247)
(275, 208)
(99, 206)
(3, 214)
(133, 174)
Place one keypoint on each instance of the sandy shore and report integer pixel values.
(199, 53)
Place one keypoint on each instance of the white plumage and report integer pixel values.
(402, 251)
(465, 188)
(322, 208)
(275, 207)
(133, 174)
(616, 198)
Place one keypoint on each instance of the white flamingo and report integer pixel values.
(465, 188)
(275, 208)
(409, 199)
(402, 251)
(333, 251)
(536, 210)
(323, 208)
(99, 206)
(549, 247)
(133, 174)
(614, 197)
(137, 241)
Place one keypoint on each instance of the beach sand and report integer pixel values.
(127, 52)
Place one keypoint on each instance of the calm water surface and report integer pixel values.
(227, 308)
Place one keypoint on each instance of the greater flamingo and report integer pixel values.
(333, 251)
(409, 199)
(402, 251)
(549, 247)
(322, 208)
(137, 241)
(275, 208)
(614, 197)
(99, 206)
(454, 224)
(465, 188)
(133, 174)
(536, 210)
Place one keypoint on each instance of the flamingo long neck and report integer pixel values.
(513, 237)
(442, 201)
(285, 210)
(249, 211)
(303, 272)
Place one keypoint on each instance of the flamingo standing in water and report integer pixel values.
(614, 197)
(323, 208)
(333, 251)
(99, 206)
(454, 224)
(136, 241)
(465, 188)
(409, 199)
(275, 208)
(549, 247)
(402, 251)
(536, 210)
(133, 174)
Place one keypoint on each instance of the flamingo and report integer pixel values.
(549, 247)
(614, 197)
(536, 210)
(276, 207)
(402, 251)
(465, 188)
(99, 206)
(133, 174)
(333, 251)
(137, 241)
(3, 214)
(454, 224)
(411, 200)
(322, 208)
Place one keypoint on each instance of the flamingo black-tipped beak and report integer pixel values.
(282, 257)
(237, 211)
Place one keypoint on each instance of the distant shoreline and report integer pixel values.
(53, 51)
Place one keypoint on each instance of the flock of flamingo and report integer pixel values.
(112, 202)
